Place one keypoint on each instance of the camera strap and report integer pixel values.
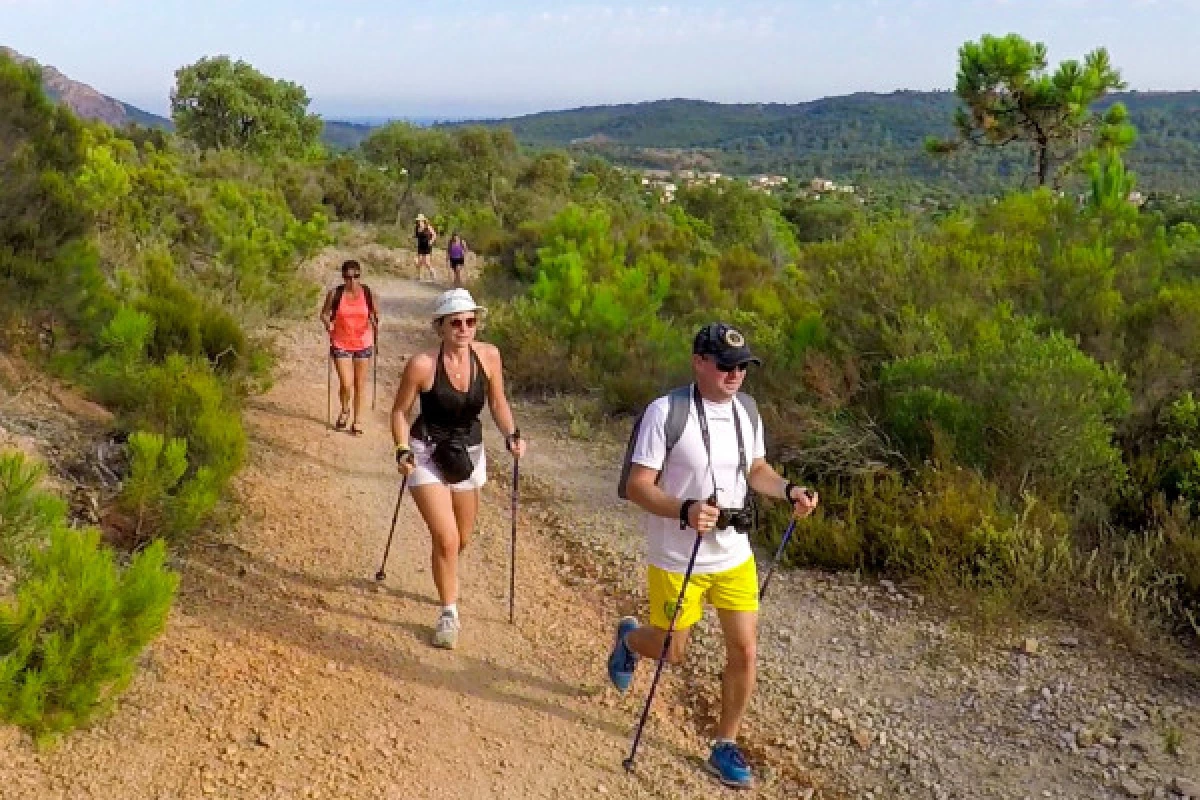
(743, 466)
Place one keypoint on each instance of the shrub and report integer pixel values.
(27, 513)
(69, 642)
(71, 635)
(157, 494)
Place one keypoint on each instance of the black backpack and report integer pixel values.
(337, 300)
(677, 416)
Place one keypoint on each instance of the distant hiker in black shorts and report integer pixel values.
(426, 236)
(456, 257)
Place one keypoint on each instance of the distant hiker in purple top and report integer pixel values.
(456, 255)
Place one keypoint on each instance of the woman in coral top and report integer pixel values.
(352, 323)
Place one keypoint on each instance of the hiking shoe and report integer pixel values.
(727, 763)
(445, 633)
(622, 661)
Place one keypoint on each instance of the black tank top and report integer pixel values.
(448, 413)
(424, 237)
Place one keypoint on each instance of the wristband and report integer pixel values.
(787, 491)
(683, 514)
(511, 439)
(403, 453)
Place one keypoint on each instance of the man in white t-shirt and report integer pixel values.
(679, 509)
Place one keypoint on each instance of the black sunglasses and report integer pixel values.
(735, 368)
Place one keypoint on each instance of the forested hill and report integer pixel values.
(858, 136)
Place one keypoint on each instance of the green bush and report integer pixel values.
(71, 635)
(27, 513)
(70, 640)
(161, 500)
(1048, 409)
(944, 527)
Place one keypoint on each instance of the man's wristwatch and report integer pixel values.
(787, 491)
(683, 514)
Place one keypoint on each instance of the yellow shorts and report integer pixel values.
(733, 590)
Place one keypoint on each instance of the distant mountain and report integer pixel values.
(86, 102)
(862, 137)
(341, 135)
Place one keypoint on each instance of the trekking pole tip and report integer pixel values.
(628, 764)
(381, 576)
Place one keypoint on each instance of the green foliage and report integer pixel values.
(27, 513)
(157, 494)
(70, 640)
(40, 214)
(1032, 408)
(219, 103)
(1009, 97)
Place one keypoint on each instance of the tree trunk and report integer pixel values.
(1043, 160)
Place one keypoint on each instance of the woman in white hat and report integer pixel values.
(425, 236)
(442, 451)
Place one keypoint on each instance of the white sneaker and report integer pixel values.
(445, 633)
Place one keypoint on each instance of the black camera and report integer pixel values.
(741, 519)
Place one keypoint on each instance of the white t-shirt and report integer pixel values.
(687, 476)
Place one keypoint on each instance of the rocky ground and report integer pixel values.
(286, 671)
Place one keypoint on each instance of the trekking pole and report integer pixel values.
(787, 535)
(662, 657)
(381, 575)
(512, 558)
(762, 590)
(329, 390)
(375, 372)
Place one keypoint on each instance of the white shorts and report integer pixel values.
(427, 473)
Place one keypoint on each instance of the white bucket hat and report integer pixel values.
(456, 301)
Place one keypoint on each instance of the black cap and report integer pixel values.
(725, 343)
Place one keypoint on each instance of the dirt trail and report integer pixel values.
(287, 672)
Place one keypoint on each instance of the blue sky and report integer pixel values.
(473, 57)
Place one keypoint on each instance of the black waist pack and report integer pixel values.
(453, 459)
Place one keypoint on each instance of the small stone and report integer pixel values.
(1132, 788)
(1186, 787)
(1030, 646)
(1085, 738)
(862, 738)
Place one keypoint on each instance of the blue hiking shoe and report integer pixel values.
(727, 763)
(622, 661)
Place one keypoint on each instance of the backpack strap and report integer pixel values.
(337, 299)
(677, 416)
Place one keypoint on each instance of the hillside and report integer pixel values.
(861, 136)
(90, 103)
(87, 102)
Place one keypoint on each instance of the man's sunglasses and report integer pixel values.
(734, 368)
(462, 324)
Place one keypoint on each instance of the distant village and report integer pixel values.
(667, 182)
